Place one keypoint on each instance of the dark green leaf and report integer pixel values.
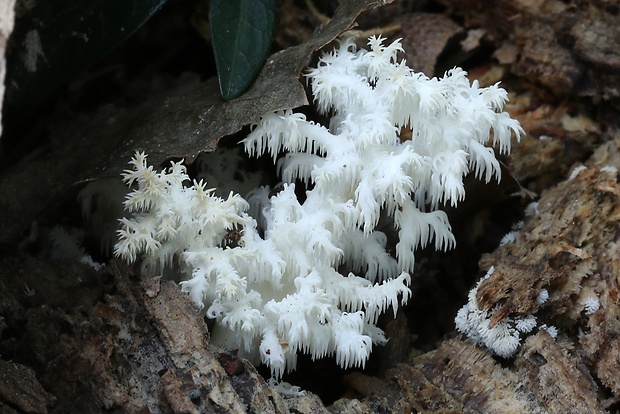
(241, 31)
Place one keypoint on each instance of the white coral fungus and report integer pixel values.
(592, 305)
(278, 291)
(504, 337)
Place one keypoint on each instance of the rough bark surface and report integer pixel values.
(123, 345)
(567, 46)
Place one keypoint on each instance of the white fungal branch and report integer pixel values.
(277, 290)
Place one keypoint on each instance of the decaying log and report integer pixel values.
(567, 46)
(21, 391)
(76, 340)
(111, 341)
